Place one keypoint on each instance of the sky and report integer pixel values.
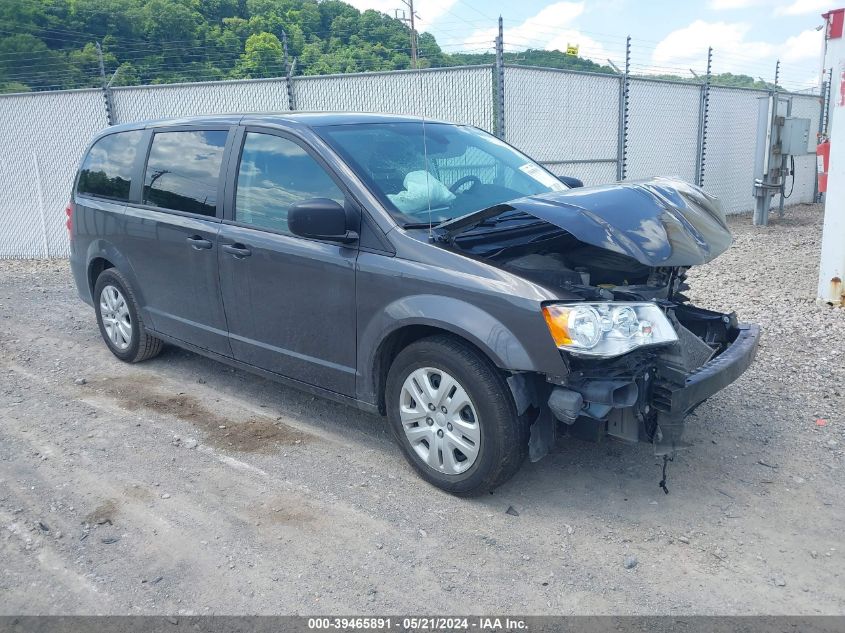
(747, 36)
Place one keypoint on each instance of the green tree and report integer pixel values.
(160, 41)
(263, 57)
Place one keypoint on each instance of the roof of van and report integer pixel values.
(308, 119)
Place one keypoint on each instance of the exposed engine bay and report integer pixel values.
(617, 396)
(632, 245)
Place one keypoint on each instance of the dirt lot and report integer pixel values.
(182, 486)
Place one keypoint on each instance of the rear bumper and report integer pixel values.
(675, 400)
(80, 277)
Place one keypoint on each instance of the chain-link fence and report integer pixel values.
(731, 142)
(570, 121)
(44, 136)
(140, 103)
(567, 121)
(663, 129)
(462, 95)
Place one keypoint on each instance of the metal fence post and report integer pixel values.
(622, 133)
(824, 112)
(106, 89)
(289, 86)
(41, 207)
(704, 104)
(499, 78)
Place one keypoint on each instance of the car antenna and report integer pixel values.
(425, 157)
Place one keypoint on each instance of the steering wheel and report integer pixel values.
(475, 180)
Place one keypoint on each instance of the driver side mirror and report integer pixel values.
(321, 219)
(571, 182)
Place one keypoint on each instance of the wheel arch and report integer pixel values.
(103, 255)
(422, 317)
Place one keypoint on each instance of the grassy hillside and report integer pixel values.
(51, 44)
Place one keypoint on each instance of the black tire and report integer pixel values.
(142, 345)
(504, 436)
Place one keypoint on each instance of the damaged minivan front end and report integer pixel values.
(639, 356)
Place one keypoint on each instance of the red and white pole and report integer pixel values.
(832, 265)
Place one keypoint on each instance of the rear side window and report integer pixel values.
(183, 171)
(107, 169)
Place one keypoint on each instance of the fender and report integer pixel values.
(453, 315)
(105, 249)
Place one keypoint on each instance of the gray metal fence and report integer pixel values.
(567, 121)
(139, 103)
(44, 136)
(662, 129)
(570, 121)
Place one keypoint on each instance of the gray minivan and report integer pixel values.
(426, 271)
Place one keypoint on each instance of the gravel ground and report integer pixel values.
(182, 486)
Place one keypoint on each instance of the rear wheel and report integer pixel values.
(453, 415)
(119, 319)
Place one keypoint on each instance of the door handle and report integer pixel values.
(237, 250)
(198, 243)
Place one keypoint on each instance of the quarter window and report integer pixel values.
(107, 169)
(275, 173)
(183, 171)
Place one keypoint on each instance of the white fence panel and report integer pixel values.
(141, 103)
(44, 135)
(662, 129)
(731, 143)
(458, 95)
(561, 118)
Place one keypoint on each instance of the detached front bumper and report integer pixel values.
(674, 399)
(646, 397)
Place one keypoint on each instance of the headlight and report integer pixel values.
(607, 329)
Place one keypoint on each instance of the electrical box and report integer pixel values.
(780, 136)
(795, 136)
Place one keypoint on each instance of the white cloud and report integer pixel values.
(802, 7)
(734, 52)
(428, 10)
(687, 47)
(805, 45)
(550, 29)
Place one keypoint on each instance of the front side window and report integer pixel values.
(107, 169)
(183, 170)
(274, 174)
(433, 172)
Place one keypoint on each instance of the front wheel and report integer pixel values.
(453, 415)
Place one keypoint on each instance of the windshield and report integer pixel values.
(457, 169)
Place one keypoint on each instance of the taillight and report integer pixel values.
(69, 221)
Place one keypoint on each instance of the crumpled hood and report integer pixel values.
(658, 222)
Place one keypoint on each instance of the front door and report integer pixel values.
(170, 237)
(290, 302)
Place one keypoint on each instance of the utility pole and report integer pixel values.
(409, 20)
(285, 45)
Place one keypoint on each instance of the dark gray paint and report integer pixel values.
(658, 222)
(310, 313)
